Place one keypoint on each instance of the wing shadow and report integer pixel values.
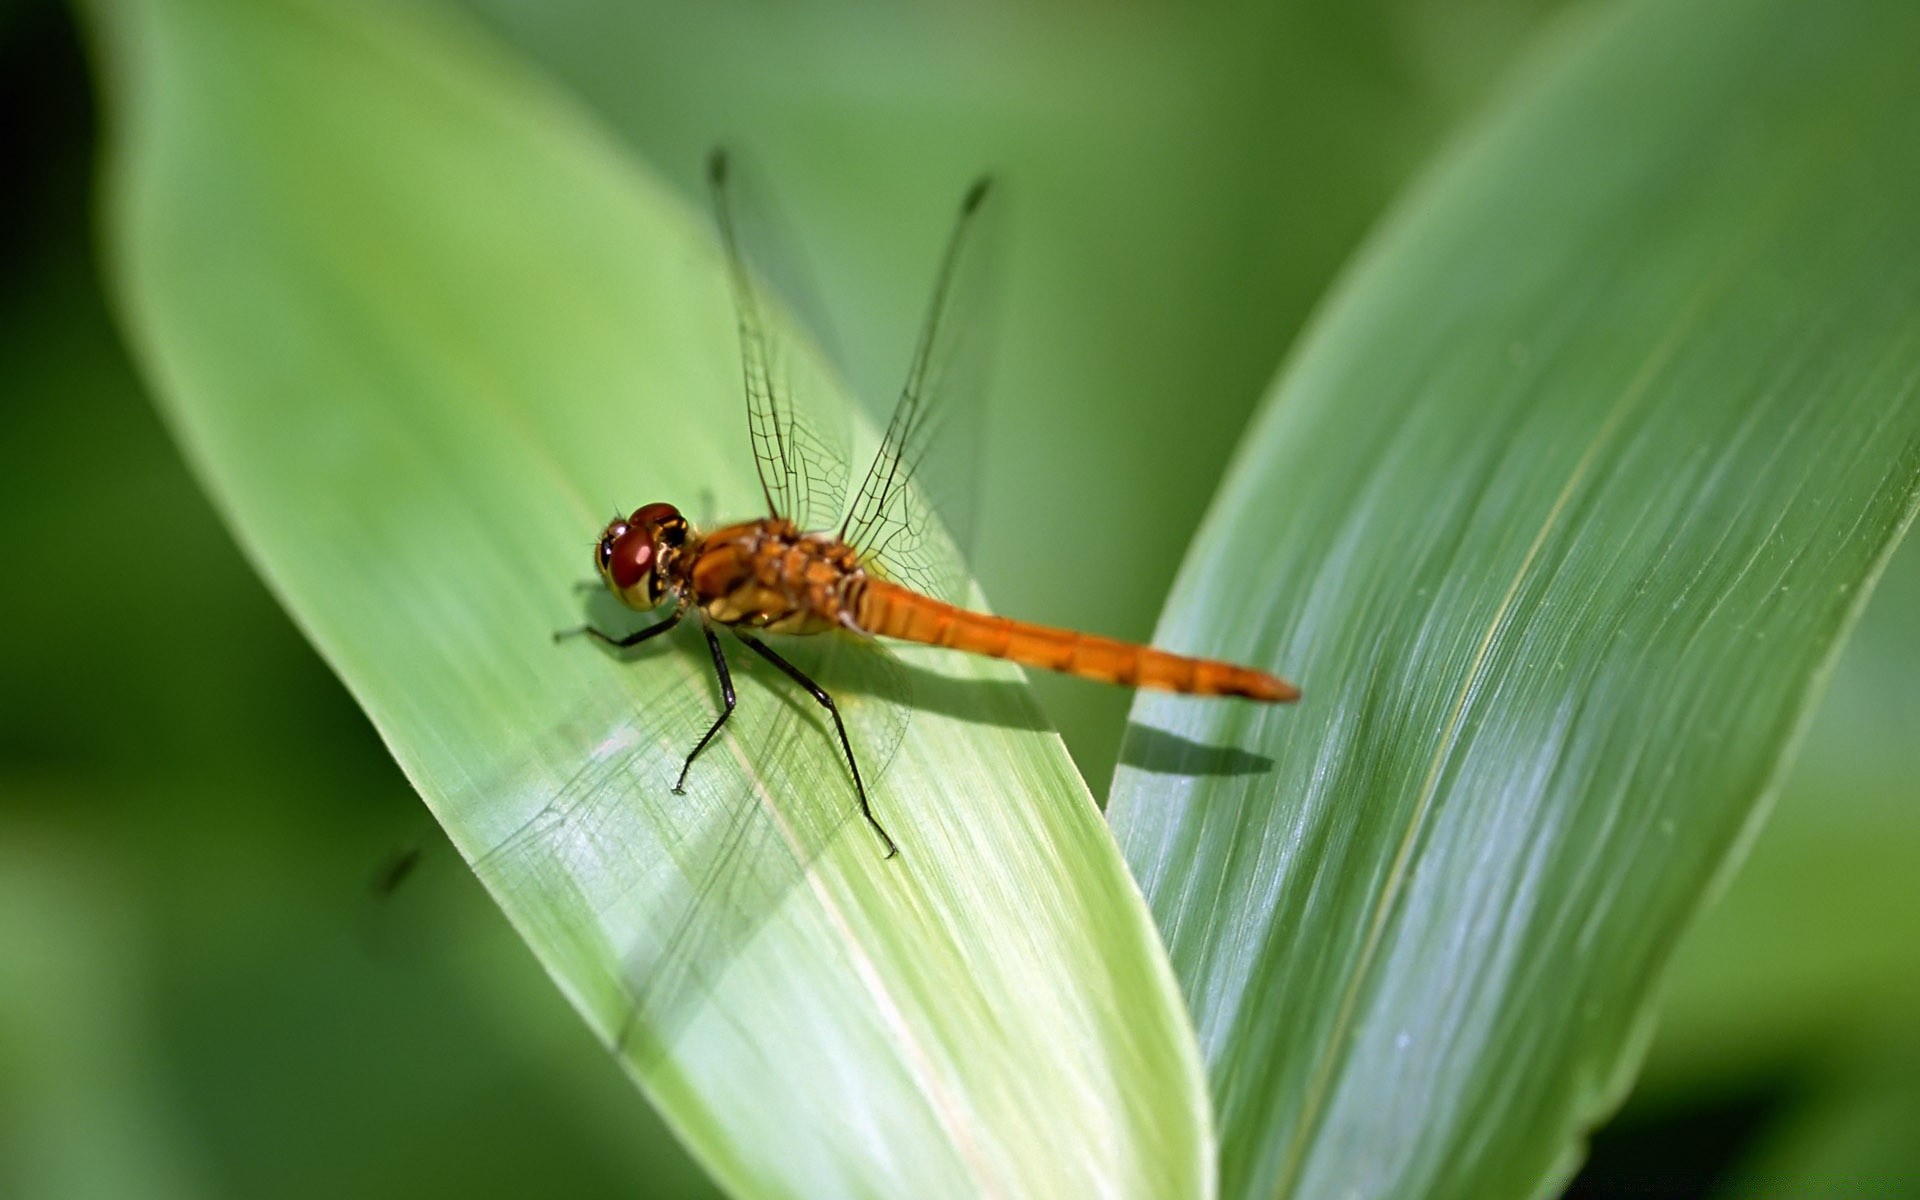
(1160, 752)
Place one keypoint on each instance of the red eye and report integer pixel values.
(648, 515)
(631, 559)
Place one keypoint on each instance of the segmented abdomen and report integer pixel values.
(888, 610)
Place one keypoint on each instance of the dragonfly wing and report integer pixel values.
(799, 442)
(928, 454)
(607, 878)
(777, 820)
(652, 896)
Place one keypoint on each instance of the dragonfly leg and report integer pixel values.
(621, 643)
(726, 698)
(820, 694)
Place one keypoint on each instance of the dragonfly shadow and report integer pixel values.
(603, 609)
(1160, 752)
(1005, 703)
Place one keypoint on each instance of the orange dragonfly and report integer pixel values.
(776, 574)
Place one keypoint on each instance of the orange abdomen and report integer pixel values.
(891, 611)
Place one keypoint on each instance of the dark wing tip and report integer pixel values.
(717, 165)
(976, 194)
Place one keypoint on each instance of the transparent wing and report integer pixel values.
(799, 448)
(652, 897)
(927, 454)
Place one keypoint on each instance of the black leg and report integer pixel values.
(632, 639)
(819, 693)
(726, 698)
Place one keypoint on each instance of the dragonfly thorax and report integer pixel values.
(637, 554)
(767, 574)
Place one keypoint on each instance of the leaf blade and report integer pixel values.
(393, 297)
(1557, 517)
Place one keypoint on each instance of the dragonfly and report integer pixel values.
(773, 575)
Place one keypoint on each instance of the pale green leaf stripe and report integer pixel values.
(419, 328)
(1558, 517)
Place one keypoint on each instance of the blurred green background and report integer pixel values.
(208, 996)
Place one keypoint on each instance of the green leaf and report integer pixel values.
(1559, 516)
(1813, 943)
(417, 325)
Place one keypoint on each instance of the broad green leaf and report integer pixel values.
(1558, 516)
(418, 327)
(1813, 943)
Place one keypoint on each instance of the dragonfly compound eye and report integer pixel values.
(649, 516)
(630, 559)
(603, 553)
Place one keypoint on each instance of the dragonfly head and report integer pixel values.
(633, 549)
